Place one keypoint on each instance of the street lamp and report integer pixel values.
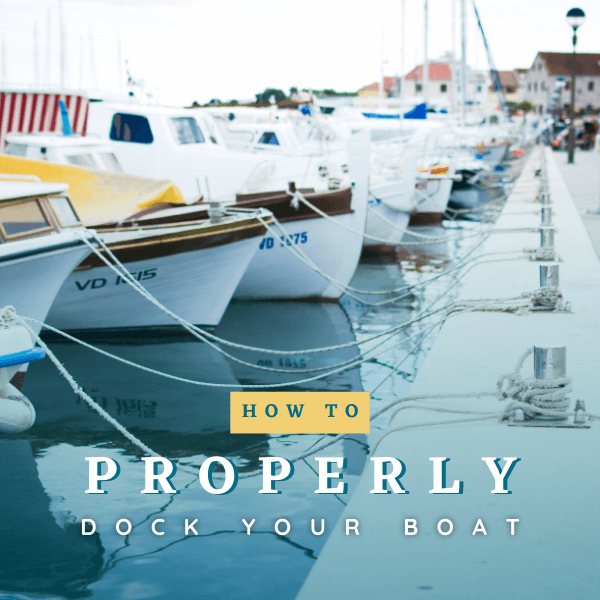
(575, 18)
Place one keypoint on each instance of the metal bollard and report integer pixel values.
(546, 215)
(547, 236)
(549, 275)
(549, 362)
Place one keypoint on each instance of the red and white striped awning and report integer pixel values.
(23, 112)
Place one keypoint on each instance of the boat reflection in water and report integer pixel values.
(42, 552)
(189, 423)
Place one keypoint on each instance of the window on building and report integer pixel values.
(543, 86)
(478, 88)
(541, 109)
(539, 66)
(567, 85)
(186, 130)
(131, 128)
(511, 89)
(419, 87)
(535, 87)
(529, 87)
(443, 88)
(590, 86)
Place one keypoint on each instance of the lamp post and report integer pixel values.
(575, 18)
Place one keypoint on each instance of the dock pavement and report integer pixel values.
(554, 487)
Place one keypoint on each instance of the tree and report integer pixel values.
(526, 106)
(266, 95)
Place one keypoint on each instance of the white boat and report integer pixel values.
(185, 147)
(192, 269)
(39, 247)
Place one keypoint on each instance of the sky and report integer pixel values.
(186, 50)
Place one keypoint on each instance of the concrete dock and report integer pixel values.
(555, 487)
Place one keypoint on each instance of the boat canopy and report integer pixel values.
(10, 190)
(97, 196)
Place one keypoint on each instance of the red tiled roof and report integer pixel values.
(561, 63)
(508, 78)
(437, 71)
(389, 83)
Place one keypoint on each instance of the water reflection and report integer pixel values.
(41, 552)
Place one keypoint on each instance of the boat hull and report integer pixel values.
(196, 285)
(30, 283)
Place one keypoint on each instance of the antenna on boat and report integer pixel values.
(66, 125)
(426, 58)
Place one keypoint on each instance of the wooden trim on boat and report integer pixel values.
(178, 242)
(423, 219)
(335, 202)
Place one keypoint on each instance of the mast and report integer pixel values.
(403, 50)
(463, 63)
(36, 57)
(453, 62)
(381, 82)
(63, 57)
(92, 57)
(47, 78)
(426, 58)
(4, 82)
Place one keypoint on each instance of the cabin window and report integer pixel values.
(186, 130)
(110, 162)
(64, 211)
(268, 137)
(82, 160)
(131, 128)
(22, 219)
(16, 150)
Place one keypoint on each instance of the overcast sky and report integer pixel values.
(197, 50)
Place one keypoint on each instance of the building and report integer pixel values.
(391, 88)
(440, 81)
(542, 83)
(509, 81)
(440, 92)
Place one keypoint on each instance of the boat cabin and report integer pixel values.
(30, 208)
(90, 152)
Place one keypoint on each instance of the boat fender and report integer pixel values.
(16, 412)
(16, 349)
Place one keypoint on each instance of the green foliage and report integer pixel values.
(266, 95)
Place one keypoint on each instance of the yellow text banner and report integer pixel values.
(299, 412)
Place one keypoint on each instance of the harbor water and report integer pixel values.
(44, 555)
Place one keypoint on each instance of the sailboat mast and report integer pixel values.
(403, 50)
(426, 58)
(61, 26)
(36, 57)
(463, 63)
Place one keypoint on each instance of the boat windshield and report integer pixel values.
(82, 160)
(64, 211)
(110, 162)
(16, 150)
(22, 218)
(186, 130)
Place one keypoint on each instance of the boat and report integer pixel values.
(40, 245)
(332, 242)
(191, 268)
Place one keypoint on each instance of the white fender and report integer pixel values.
(16, 412)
